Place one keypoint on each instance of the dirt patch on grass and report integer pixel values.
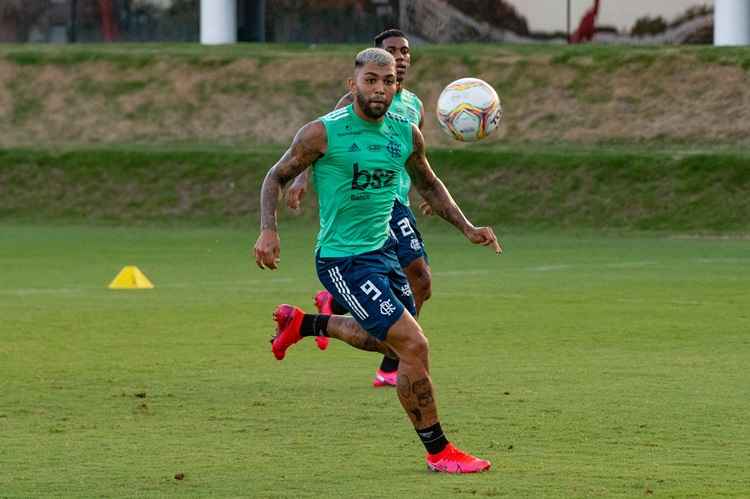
(668, 100)
(265, 99)
(8, 73)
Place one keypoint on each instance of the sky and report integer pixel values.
(550, 15)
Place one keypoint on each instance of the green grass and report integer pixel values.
(25, 105)
(675, 188)
(110, 89)
(141, 54)
(581, 365)
(138, 55)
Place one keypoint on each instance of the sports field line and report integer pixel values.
(635, 264)
(249, 285)
(549, 268)
(234, 285)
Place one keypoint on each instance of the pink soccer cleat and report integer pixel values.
(453, 460)
(322, 342)
(288, 321)
(383, 378)
(323, 301)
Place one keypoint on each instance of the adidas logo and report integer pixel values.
(354, 147)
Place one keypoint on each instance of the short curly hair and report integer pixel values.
(389, 33)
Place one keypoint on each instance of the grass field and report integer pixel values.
(581, 365)
(688, 188)
(604, 355)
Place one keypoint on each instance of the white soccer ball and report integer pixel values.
(469, 109)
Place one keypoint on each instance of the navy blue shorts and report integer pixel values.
(404, 229)
(371, 286)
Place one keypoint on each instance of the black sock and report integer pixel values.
(314, 325)
(338, 309)
(433, 438)
(389, 365)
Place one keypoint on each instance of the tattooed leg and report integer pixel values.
(414, 388)
(347, 330)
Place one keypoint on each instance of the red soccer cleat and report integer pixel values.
(452, 460)
(288, 321)
(383, 378)
(322, 342)
(323, 301)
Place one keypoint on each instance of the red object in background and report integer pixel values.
(586, 29)
(109, 27)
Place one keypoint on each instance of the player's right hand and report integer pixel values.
(486, 237)
(295, 194)
(267, 250)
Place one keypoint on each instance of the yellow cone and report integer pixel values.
(130, 277)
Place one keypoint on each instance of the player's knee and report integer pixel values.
(418, 347)
(422, 282)
(425, 285)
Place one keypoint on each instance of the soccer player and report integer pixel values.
(359, 152)
(410, 249)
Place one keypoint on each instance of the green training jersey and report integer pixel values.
(407, 105)
(357, 180)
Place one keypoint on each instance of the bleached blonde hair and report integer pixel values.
(375, 55)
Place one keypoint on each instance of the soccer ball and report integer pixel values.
(469, 109)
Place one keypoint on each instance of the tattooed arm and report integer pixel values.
(424, 206)
(437, 196)
(308, 145)
(299, 187)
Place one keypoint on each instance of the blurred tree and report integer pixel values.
(692, 13)
(647, 25)
(702, 36)
(655, 25)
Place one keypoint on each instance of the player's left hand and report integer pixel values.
(486, 237)
(267, 250)
(425, 208)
